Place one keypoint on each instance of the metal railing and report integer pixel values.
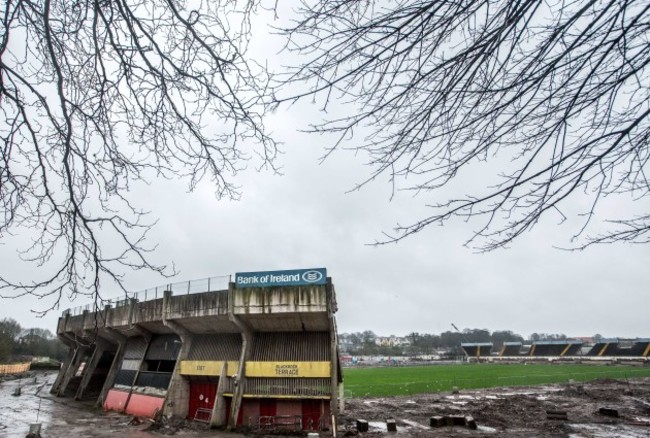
(201, 285)
(277, 423)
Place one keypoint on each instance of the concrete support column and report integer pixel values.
(100, 347)
(79, 355)
(115, 366)
(178, 392)
(247, 340)
(67, 362)
(334, 378)
(334, 352)
(218, 417)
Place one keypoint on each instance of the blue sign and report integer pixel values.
(296, 277)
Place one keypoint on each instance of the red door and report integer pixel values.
(202, 397)
(268, 407)
(311, 414)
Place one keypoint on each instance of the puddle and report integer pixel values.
(63, 417)
(377, 425)
(607, 431)
(415, 424)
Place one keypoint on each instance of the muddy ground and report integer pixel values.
(510, 412)
(65, 418)
(514, 412)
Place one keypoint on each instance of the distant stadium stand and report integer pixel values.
(580, 349)
(477, 349)
(510, 349)
(566, 347)
(604, 347)
(634, 348)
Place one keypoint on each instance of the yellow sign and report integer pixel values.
(207, 367)
(288, 369)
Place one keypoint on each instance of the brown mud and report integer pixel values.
(66, 418)
(513, 412)
(509, 412)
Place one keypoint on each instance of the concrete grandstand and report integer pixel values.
(261, 353)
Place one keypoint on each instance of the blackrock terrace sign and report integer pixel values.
(295, 277)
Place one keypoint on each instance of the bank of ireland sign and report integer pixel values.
(295, 277)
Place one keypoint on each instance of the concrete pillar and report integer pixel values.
(133, 304)
(247, 339)
(100, 347)
(334, 352)
(79, 354)
(115, 366)
(334, 378)
(238, 393)
(178, 392)
(218, 417)
(67, 362)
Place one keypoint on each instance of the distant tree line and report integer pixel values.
(368, 343)
(17, 343)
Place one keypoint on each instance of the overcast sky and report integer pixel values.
(305, 219)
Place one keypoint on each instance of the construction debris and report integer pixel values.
(609, 412)
(453, 420)
(553, 414)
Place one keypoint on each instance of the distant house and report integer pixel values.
(392, 341)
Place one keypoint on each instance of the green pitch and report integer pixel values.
(388, 381)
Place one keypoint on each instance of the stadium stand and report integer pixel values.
(634, 348)
(477, 349)
(604, 347)
(510, 349)
(566, 347)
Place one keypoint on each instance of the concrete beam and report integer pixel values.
(112, 336)
(138, 330)
(65, 338)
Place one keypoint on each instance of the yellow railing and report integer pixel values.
(14, 368)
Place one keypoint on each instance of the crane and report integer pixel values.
(462, 336)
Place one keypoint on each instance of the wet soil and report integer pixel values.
(64, 417)
(509, 412)
(513, 412)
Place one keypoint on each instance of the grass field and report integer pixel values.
(388, 381)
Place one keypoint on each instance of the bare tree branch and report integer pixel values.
(555, 95)
(97, 95)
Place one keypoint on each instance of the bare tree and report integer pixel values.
(553, 95)
(97, 95)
